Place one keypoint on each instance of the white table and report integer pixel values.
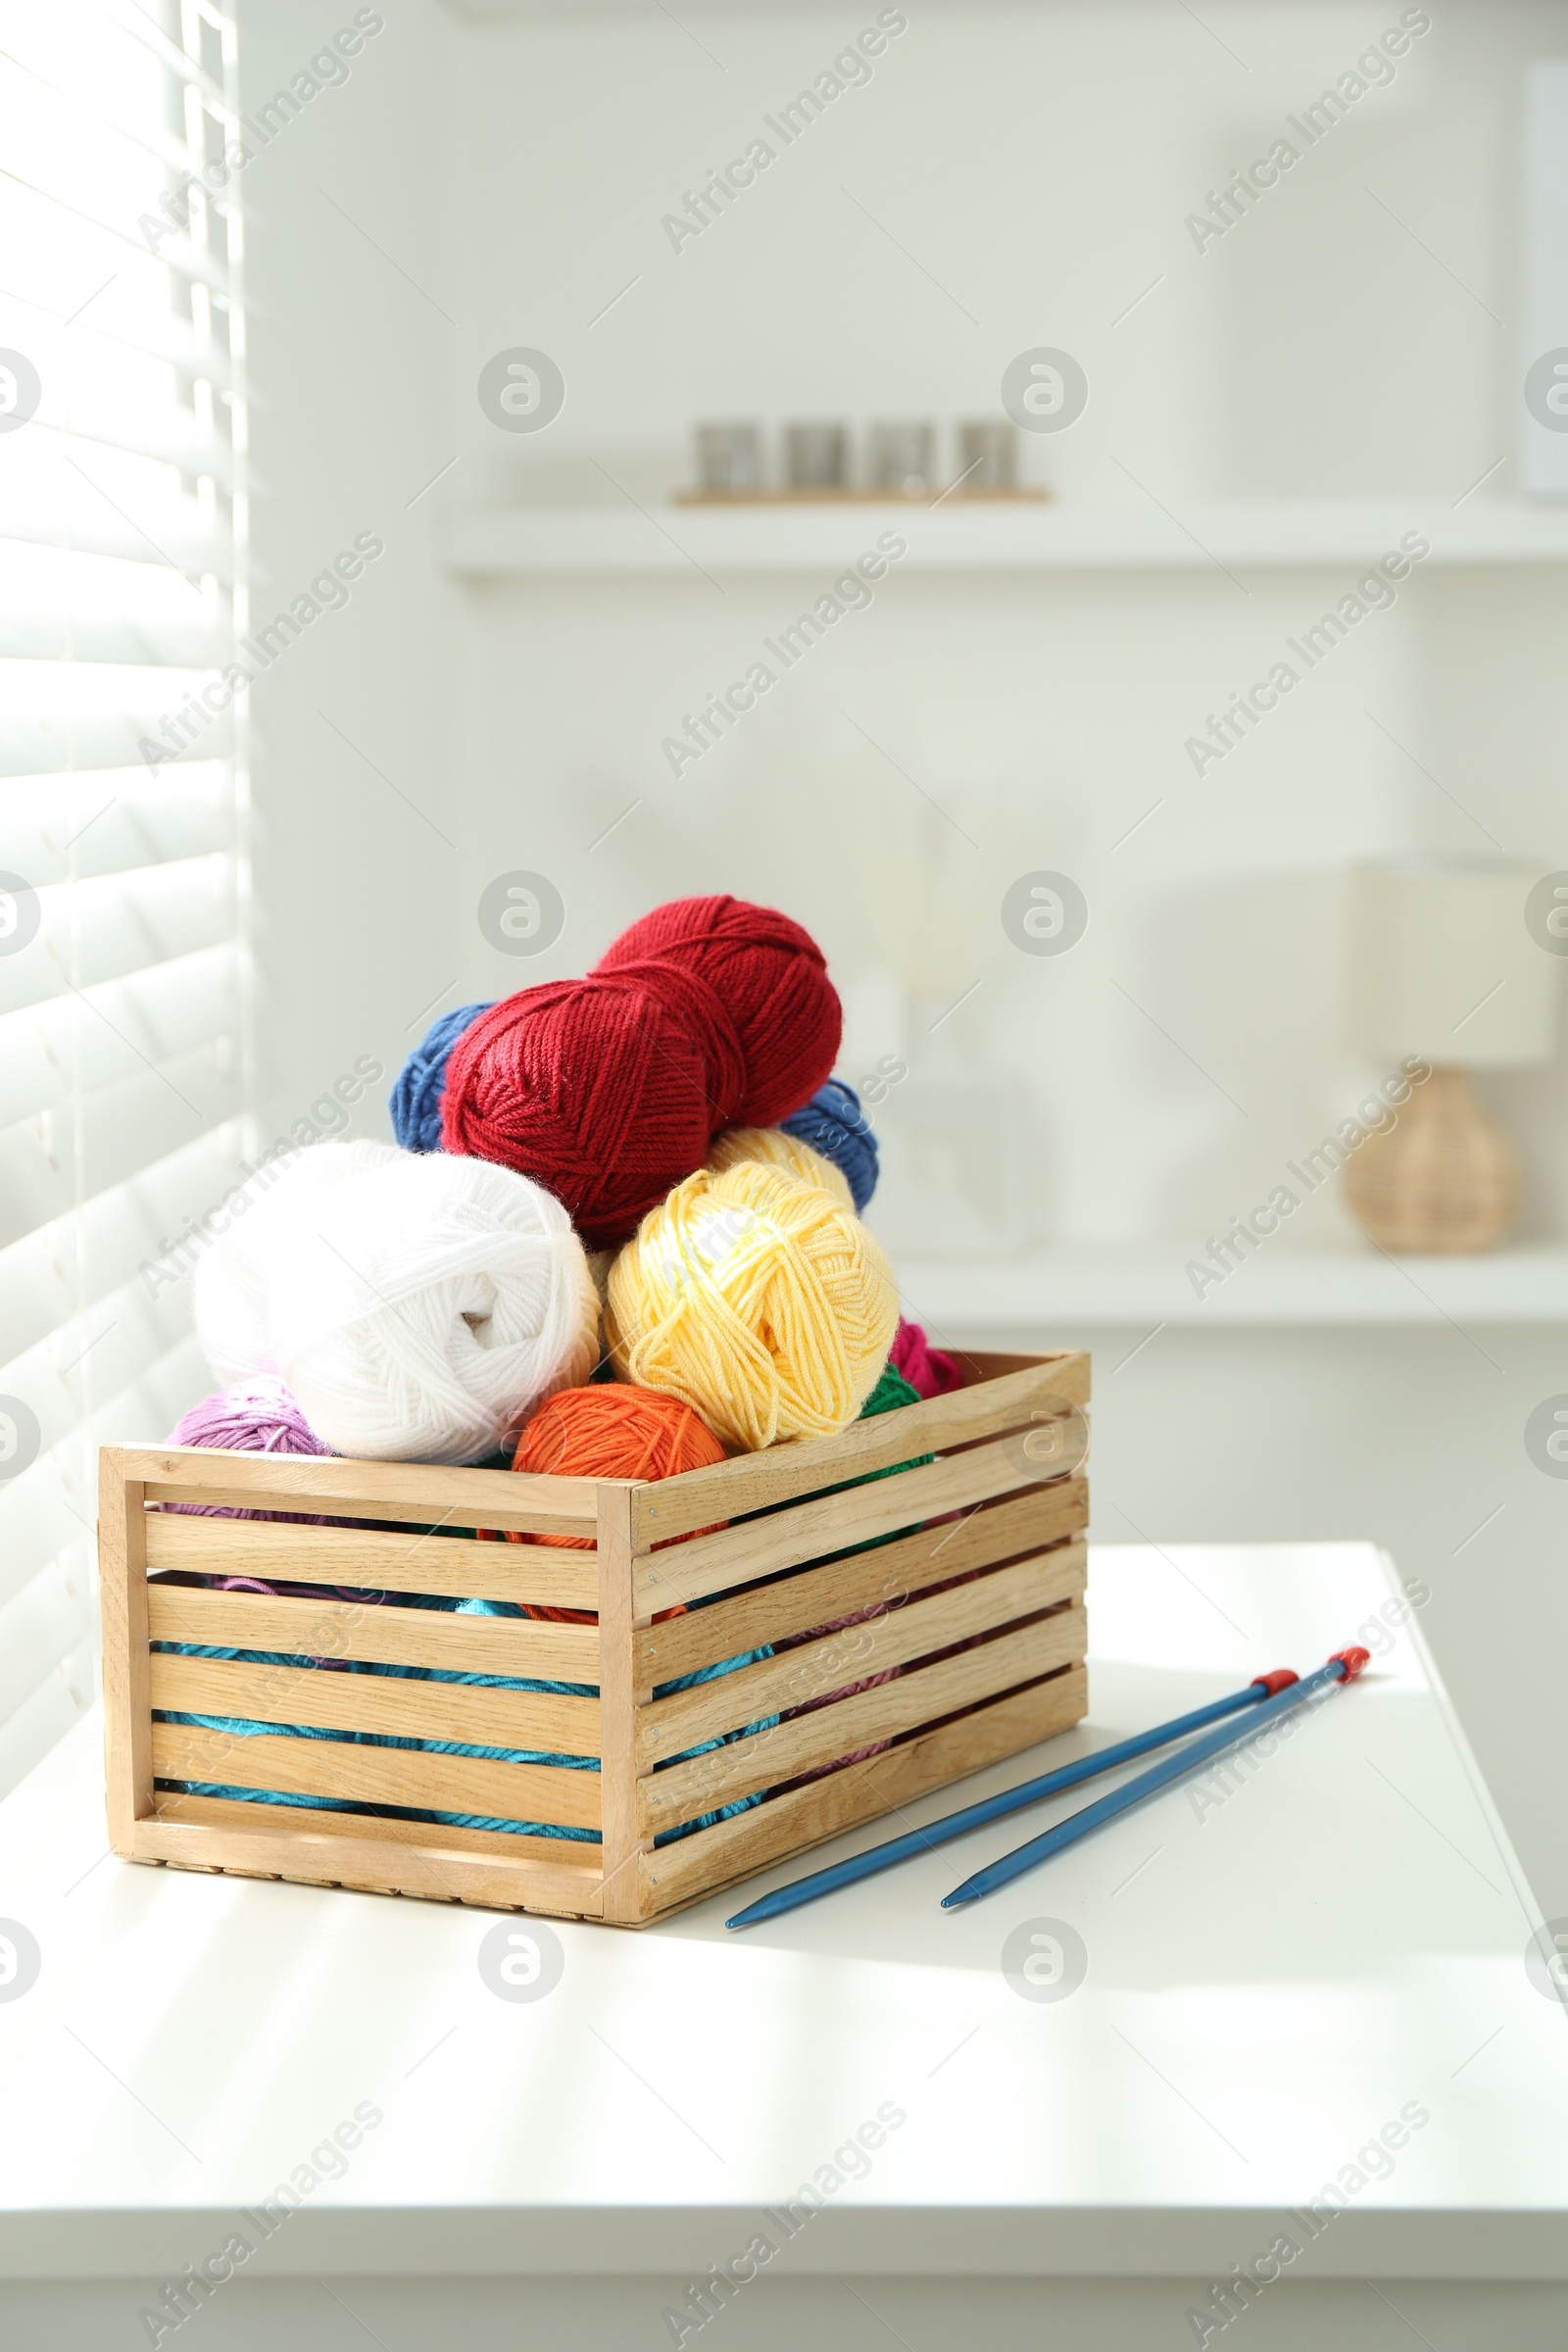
(1271, 1980)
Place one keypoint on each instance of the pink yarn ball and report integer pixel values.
(930, 1370)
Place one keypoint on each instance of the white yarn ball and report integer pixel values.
(231, 1310)
(417, 1305)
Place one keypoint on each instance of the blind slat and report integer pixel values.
(45, 1624)
(77, 233)
(173, 443)
(62, 735)
(89, 527)
(62, 1270)
(133, 20)
(74, 1047)
(68, 635)
(94, 1142)
(111, 326)
(21, 75)
(46, 1514)
(113, 820)
(97, 930)
(55, 1706)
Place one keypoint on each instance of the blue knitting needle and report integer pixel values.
(1008, 1800)
(1344, 1666)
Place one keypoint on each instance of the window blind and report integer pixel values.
(125, 1078)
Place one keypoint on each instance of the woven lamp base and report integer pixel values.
(1443, 1181)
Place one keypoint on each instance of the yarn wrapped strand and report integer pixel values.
(418, 1307)
(780, 1149)
(930, 1371)
(835, 1126)
(250, 1416)
(606, 1090)
(759, 1300)
(415, 1100)
(234, 1321)
(772, 978)
(610, 1432)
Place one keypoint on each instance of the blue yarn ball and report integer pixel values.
(834, 1124)
(415, 1100)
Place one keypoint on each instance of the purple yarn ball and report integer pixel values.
(252, 1416)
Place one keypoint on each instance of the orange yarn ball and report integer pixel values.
(614, 1432)
(605, 1431)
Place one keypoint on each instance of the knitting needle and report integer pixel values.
(1344, 1666)
(1008, 1800)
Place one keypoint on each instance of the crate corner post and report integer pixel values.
(622, 1845)
(126, 1657)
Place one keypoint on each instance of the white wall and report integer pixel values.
(1038, 161)
(356, 887)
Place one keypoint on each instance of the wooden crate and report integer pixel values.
(974, 1567)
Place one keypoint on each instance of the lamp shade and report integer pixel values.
(1441, 964)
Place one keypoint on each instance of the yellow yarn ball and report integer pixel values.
(775, 1149)
(756, 1299)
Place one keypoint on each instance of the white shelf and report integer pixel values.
(1069, 1293)
(1253, 533)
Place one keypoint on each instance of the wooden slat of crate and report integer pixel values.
(373, 1702)
(350, 1555)
(387, 1636)
(687, 1572)
(924, 1696)
(794, 1675)
(786, 1826)
(984, 1363)
(382, 1857)
(378, 1775)
(243, 1814)
(1000, 1531)
(403, 1491)
(675, 1506)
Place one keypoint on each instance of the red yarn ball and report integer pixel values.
(708, 1013)
(606, 1090)
(773, 979)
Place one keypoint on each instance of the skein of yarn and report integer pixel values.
(606, 1090)
(613, 1432)
(707, 1013)
(417, 1304)
(930, 1371)
(758, 1300)
(250, 1416)
(416, 1099)
(232, 1276)
(779, 1149)
(835, 1126)
(772, 978)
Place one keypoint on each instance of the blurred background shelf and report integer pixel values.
(1075, 1291)
(992, 536)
